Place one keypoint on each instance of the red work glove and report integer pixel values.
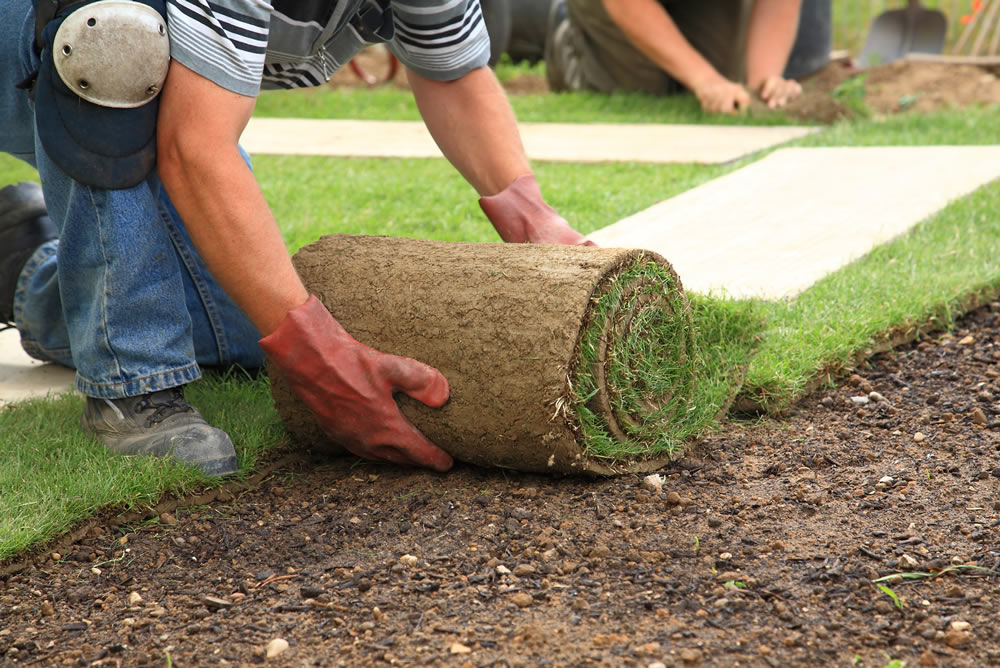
(520, 215)
(349, 387)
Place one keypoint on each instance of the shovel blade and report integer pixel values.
(897, 32)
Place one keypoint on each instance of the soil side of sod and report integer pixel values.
(765, 547)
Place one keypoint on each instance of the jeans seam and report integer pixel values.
(211, 310)
(103, 288)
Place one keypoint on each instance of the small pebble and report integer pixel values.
(459, 648)
(522, 599)
(653, 483)
(690, 655)
(956, 639)
(919, 437)
(276, 647)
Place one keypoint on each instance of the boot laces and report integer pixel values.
(163, 409)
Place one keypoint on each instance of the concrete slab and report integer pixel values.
(22, 377)
(773, 228)
(559, 142)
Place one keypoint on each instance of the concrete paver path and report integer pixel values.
(559, 142)
(773, 228)
(22, 377)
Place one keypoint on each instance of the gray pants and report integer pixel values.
(589, 52)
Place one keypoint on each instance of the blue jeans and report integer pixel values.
(122, 296)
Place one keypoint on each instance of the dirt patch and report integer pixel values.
(843, 91)
(761, 549)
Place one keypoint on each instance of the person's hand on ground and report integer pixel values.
(719, 95)
(349, 387)
(520, 215)
(777, 92)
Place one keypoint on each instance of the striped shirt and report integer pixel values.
(246, 45)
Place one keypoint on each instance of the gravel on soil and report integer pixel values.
(762, 548)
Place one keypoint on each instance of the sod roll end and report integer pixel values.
(559, 358)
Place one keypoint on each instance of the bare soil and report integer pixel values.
(760, 549)
(903, 86)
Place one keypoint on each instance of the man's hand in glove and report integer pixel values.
(349, 387)
(520, 215)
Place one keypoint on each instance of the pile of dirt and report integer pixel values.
(774, 544)
(841, 90)
(836, 92)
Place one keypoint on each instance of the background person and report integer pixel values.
(661, 47)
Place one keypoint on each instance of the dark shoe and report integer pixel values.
(160, 424)
(558, 23)
(558, 12)
(24, 226)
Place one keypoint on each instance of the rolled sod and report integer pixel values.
(559, 358)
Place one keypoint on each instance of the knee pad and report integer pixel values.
(103, 64)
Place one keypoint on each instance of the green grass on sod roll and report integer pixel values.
(666, 379)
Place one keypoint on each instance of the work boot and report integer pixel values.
(554, 49)
(24, 226)
(160, 424)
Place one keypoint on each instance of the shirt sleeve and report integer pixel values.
(222, 40)
(440, 39)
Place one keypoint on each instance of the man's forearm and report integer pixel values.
(473, 124)
(648, 25)
(770, 37)
(219, 200)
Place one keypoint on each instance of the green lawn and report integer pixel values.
(51, 476)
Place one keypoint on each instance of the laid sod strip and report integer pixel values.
(53, 475)
(921, 281)
(559, 358)
(317, 195)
